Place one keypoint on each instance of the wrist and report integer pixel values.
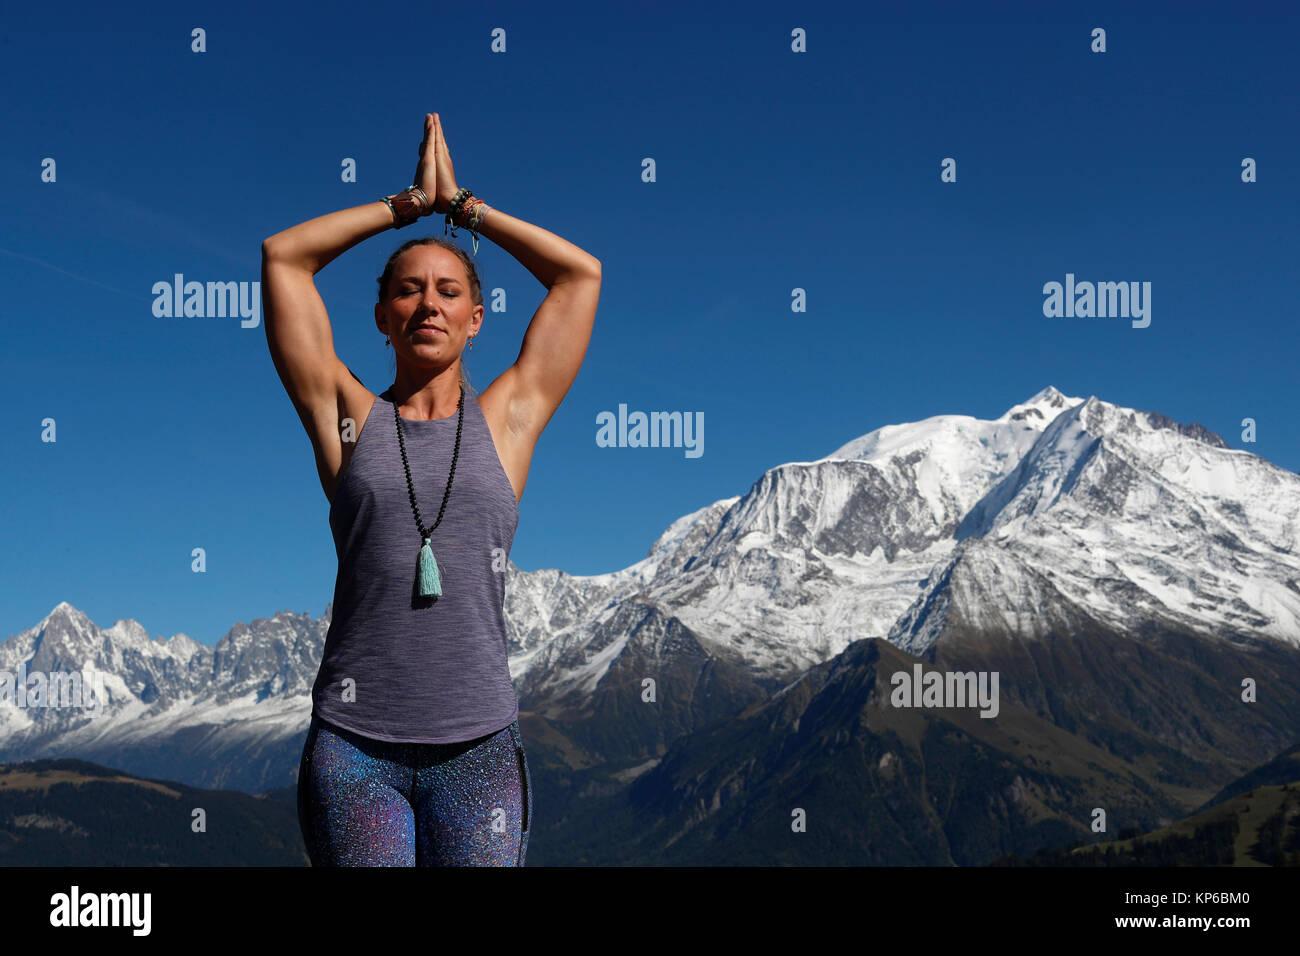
(426, 201)
(466, 210)
(444, 199)
(409, 205)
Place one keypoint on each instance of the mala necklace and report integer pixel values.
(430, 583)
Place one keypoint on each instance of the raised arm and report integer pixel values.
(297, 325)
(557, 337)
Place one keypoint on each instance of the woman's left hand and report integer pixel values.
(434, 174)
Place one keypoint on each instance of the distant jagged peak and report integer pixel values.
(64, 615)
(64, 608)
(1108, 419)
(1041, 408)
(1101, 417)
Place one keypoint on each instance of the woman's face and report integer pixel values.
(429, 313)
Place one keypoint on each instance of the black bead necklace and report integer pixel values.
(429, 579)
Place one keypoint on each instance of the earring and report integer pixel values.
(385, 341)
(471, 343)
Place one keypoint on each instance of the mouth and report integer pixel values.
(428, 330)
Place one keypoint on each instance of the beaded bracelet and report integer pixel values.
(466, 211)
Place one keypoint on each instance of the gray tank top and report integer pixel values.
(398, 666)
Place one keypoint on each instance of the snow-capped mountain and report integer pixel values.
(175, 706)
(816, 554)
(1123, 512)
(1059, 511)
(1131, 518)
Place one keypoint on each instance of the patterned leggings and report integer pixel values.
(366, 802)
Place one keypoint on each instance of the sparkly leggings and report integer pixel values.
(366, 802)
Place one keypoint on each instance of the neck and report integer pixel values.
(425, 394)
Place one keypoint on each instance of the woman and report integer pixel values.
(413, 756)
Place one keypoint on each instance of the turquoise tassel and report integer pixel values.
(430, 584)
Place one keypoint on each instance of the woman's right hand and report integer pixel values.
(426, 171)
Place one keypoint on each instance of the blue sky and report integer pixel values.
(775, 171)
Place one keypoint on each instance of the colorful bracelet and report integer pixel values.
(466, 211)
(408, 205)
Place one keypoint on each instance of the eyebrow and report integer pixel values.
(416, 279)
